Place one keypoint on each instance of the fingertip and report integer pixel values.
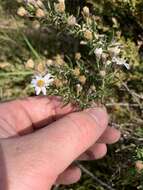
(116, 136)
(110, 136)
(69, 176)
(100, 115)
(99, 150)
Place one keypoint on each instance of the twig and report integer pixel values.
(56, 187)
(137, 139)
(94, 177)
(121, 104)
(122, 124)
(138, 120)
(135, 95)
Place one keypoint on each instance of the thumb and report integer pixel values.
(66, 139)
(49, 151)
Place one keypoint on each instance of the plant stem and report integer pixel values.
(56, 187)
(94, 177)
(7, 74)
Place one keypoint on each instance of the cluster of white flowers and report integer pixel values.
(110, 53)
(114, 53)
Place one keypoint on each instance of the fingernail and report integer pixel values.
(100, 115)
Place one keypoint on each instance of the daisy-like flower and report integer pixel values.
(121, 61)
(41, 83)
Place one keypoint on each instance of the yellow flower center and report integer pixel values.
(40, 83)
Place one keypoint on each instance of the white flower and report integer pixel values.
(108, 62)
(98, 52)
(40, 83)
(83, 42)
(120, 61)
(71, 20)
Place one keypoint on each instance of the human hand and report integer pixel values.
(40, 139)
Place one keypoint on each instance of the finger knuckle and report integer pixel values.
(82, 124)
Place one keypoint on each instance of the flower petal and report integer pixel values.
(33, 82)
(43, 89)
(127, 65)
(37, 90)
(38, 77)
(47, 77)
(49, 82)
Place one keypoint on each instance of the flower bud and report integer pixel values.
(114, 51)
(82, 79)
(59, 60)
(93, 87)
(30, 64)
(77, 56)
(39, 3)
(139, 165)
(76, 71)
(85, 11)
(36, 24)
(58, 83)
(22, 11)
(88, 35)
(102, 73)
(60, 7)
(49, 62)
(71, 20)
(40, 13)
(104, 57)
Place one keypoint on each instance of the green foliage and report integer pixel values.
(139, 153)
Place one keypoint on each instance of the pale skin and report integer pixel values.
(40, 138)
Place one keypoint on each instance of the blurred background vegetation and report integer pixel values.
(22, 43)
